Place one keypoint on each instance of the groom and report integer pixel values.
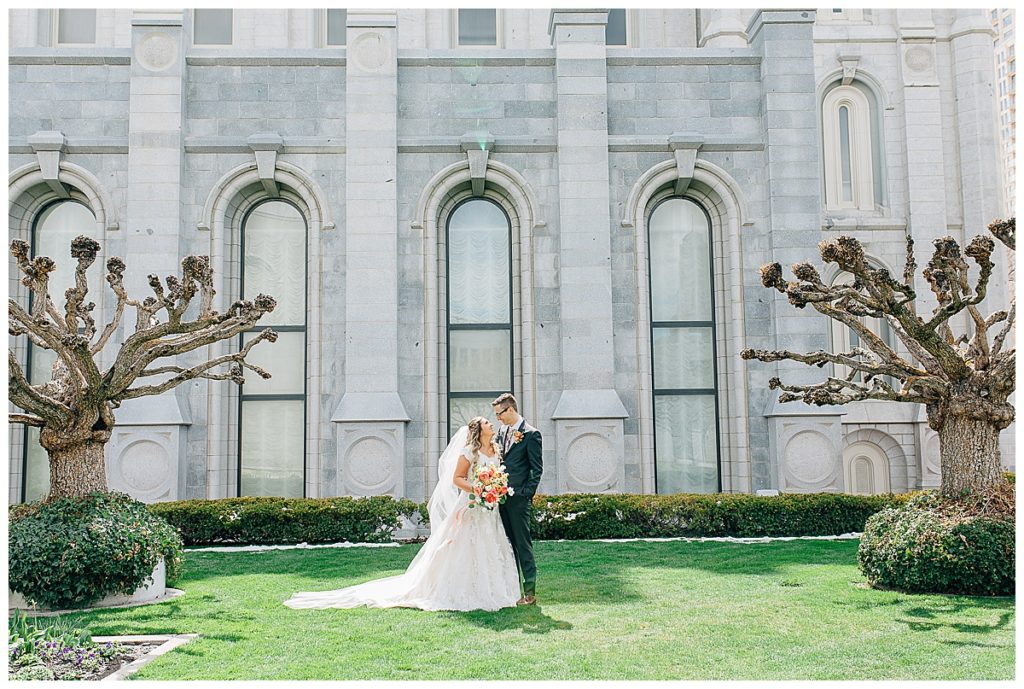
(521, 447)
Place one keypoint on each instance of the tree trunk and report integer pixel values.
(77, 470)
(969, 448)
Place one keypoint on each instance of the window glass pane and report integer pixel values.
(76, 26)
(478, 360)
(275, 261)
(55, 227)
(615, 31)
(212, 27)
(284, 360)
(478, 27)
(687, 444)
(37, 464)
(37, 476)
(683, 358)
(42, 362)
(844, 153)
(272, 448)
(462, 409)
(479, 264)
(336, 28)
(680, 262)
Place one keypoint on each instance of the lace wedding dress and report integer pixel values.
(466, 564)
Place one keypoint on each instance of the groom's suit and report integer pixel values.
(524, 463)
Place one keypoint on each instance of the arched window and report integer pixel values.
(52, 231)
(479, 309)
(865, 469)
(851, 149)
(272, 413)
(683, 349)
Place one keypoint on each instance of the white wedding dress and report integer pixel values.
(465, 564)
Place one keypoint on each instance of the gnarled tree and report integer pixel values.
(964, 380)
(74, 410)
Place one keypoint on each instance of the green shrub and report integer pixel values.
(270, 520)
(936, 546)
(584, 516)
(71, 552)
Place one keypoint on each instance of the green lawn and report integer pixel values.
(669, 610)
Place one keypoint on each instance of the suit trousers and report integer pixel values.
(515, 516)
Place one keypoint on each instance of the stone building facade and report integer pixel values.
(571, 204)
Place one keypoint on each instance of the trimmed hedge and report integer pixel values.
(256, 520)
(267, 520)
(585, 516)
(70, 552)
(932, 545)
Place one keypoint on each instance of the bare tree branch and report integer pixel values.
(237, 358)
(23, 394)
(26, 419)
(1005, 231)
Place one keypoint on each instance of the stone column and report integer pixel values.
(371, 417)
(723, 28)
(926, 165)
(588, 416)
(146, 454)
(978, 137)
(784, 39)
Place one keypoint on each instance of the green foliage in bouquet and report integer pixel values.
(268, 520)
(70, 552)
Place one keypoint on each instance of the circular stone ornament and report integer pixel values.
(157, 51)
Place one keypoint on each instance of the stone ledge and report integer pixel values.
(169, 594)
(318, 57)
(69, 56)
(631, 57)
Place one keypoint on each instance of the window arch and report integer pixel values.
(865, 469)
(683, 346)
(53, 228)
(479, 308)
(851, 149)
(272, 413)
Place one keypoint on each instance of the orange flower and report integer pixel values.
(491, 497)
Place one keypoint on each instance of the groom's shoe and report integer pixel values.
(528, 599)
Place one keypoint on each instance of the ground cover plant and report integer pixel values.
(633, 610)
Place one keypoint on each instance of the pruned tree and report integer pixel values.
(964, 380)
(74, 410)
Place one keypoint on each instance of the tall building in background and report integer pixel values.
(1006, 92)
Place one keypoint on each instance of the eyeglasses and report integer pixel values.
(499, 412)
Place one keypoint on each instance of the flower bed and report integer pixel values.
(58, 651)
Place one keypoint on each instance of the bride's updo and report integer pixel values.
(474, 441)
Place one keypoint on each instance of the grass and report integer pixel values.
(669, 610)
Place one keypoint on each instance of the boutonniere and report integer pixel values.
(516, 436)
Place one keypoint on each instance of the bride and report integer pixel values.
(466, 564)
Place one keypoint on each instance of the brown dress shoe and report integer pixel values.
(528, 599)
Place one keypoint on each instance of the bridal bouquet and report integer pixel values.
(490, 486)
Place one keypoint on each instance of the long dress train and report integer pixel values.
(465, 564)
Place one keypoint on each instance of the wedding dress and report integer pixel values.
(465, 564)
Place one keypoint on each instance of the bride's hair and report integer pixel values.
(476, 427)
